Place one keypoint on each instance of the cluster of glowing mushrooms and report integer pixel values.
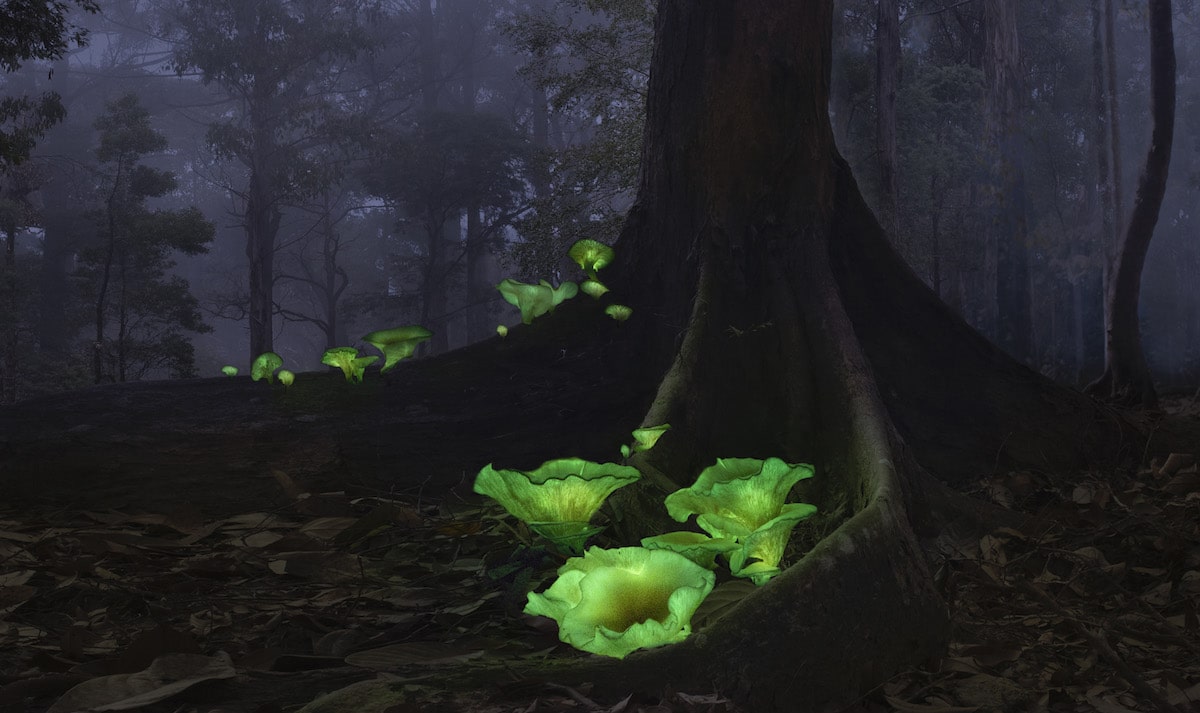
(615, 601)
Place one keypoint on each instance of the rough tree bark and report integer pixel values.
(1126, 377)
(887, 83)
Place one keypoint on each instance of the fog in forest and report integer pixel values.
(232, 177)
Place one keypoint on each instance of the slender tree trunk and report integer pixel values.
(110, 251)
(1114, 118)
(262, 218)
(8, 380)
(887, 83)
(123, 317)
(1009, 221)
(1126, 375)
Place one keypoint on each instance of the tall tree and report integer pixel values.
(887, 84)
(274, 60)
(129, 266)
(1126, 376)
(1009, 220)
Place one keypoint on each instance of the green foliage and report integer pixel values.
(33, 30)
(141, 309)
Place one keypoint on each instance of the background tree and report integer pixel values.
(1126, 376)
(127, 271)
(273, 59)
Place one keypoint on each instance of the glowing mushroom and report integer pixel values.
(558, 499)
(535, 300)
(348, 360)
(614, 602)
(590, 255)
(264, 367)
(743, 499)
(397, 343)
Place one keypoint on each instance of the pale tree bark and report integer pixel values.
(1114, 113)
(887, 83)
(1126, 377)
(1009, 225)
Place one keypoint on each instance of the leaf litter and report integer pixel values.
(263, 612)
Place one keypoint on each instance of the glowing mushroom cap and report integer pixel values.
(264, 366)
(760, 552)
(229, 370)
(593, 288)
(397, 343)
(701, 549)
(737, 495)
(614, 602)
(618, 312)
(286, 377)
(591, 255)
(566, 492)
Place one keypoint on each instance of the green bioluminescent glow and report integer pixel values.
(593, 288)
(701, 549)
(397, 343)
(286, 377)
(348, 360)
(618, 312)
(591, 255)
(502, 330)
(644, 439)
(535, 300)
(558, 499)
(614, 602)
(264, 367)
(229, 370)
(743, 499)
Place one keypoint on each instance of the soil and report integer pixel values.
(250, 547)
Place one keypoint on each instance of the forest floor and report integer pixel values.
(120, 600)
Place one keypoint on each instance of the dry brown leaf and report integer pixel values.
(167, 676)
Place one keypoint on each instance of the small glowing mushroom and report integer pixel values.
(743, 499)
(645, 438)
(348, 360)
(618, 312)
(264, 367)
(286, 377)
(502, 330)
(593, 288)
(229, 370)
(558, 499)
(614, 602)
(591, 255)
(397, 343)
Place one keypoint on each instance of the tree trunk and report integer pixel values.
(1126, 376)
(1114, 115)
(262, 218)
(887, 83)
(1009, 222)
(8, 375)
